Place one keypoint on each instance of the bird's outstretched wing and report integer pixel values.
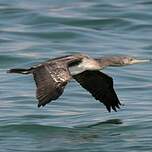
(50, 79)
(100, 86)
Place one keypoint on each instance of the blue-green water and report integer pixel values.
(32, 31)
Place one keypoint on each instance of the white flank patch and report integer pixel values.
(76, 70)
(86, 64)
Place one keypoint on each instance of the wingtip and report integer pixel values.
(117, 105)
(108, 108)
(39, 105)
(114, 108)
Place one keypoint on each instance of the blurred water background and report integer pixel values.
(32, 31)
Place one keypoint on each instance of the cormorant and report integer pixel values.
(52, 76)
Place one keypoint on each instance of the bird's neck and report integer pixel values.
(109, 61)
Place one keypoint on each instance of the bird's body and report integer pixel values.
(52, 76)
(86, 63)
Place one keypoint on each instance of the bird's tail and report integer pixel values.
(20, 71)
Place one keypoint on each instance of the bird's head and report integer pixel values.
(131, 60)
(119, 61)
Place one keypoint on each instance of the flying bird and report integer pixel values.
(52, 76)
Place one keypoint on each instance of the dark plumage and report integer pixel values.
(52, 76)
(100, 86)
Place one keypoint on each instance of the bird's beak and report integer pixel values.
(139, 61)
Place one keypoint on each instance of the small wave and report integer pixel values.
(33, 128)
